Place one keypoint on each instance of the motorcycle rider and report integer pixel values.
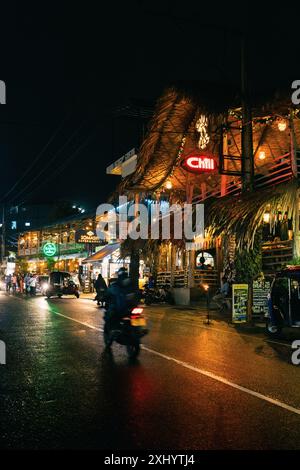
(119, 298)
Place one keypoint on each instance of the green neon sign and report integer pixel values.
(49, 249)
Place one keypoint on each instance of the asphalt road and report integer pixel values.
(195, 386)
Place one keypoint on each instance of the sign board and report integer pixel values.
(261, 289)
(49, 249)
(87, 236)
(239, 303)
(87, 286)
(196, 163)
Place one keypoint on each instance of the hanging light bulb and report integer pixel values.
(168, 184)
(282, 125)
(262, 155)
(267, 217)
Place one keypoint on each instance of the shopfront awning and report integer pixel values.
(70, 256)
(105, 251)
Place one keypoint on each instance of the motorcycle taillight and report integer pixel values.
(137, 312)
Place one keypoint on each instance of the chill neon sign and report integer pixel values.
(199, 164)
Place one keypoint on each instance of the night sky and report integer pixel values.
(68, 66)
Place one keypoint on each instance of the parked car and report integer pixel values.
(284, 301)
(61, 283)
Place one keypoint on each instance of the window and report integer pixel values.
(208, 259)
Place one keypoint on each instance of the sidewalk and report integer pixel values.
(89, 296)
(200, 309)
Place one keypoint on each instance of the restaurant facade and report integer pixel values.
(195, 154)
(62, 245)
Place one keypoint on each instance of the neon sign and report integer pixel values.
(49, 249)
(199, 164)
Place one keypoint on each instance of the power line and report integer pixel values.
(28, 169)
(61, 167)
(48, 163)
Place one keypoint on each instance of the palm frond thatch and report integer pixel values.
(242, 216)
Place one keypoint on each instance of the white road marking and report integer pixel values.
(204, 372)
(225, 381)
(257, 338)
(77, 321)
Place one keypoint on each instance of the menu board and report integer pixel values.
(261, 290)
(239, 303)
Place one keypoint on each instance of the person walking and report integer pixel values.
(14, 281)
(101, 288)
(27, 283)
(8, 282)
(21, 283)
(33, 282)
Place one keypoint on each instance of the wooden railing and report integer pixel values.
(279, 172)
(276, 255)
(208, 277)
(180, 278)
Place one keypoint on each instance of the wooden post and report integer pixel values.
(296, 240)
(293, 145)
(224, 178)
(173, 262)
(191, 266)
(135, 256)
(247, 143)
(190, 254)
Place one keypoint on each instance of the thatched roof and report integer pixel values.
(243, 215)
(173, 128)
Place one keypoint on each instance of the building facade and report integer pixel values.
(194, 153)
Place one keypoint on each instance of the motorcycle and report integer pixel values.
(129, 331)
(157, 295)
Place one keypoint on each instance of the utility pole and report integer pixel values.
(247, 143)
(3, 235)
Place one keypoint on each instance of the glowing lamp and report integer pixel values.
(262, 155)
(282, 125)
(169, 185)
(267, 217)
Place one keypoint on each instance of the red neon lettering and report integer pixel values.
(199, 163)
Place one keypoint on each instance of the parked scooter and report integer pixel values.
(157, 295)
(129, 331)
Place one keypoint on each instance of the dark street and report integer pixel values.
(195, 386)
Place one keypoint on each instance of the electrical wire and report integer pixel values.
(28, 169)
(45, 168)
(61, 167)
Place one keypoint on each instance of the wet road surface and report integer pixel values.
(195, 386)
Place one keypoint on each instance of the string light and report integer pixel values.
(201, 127)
